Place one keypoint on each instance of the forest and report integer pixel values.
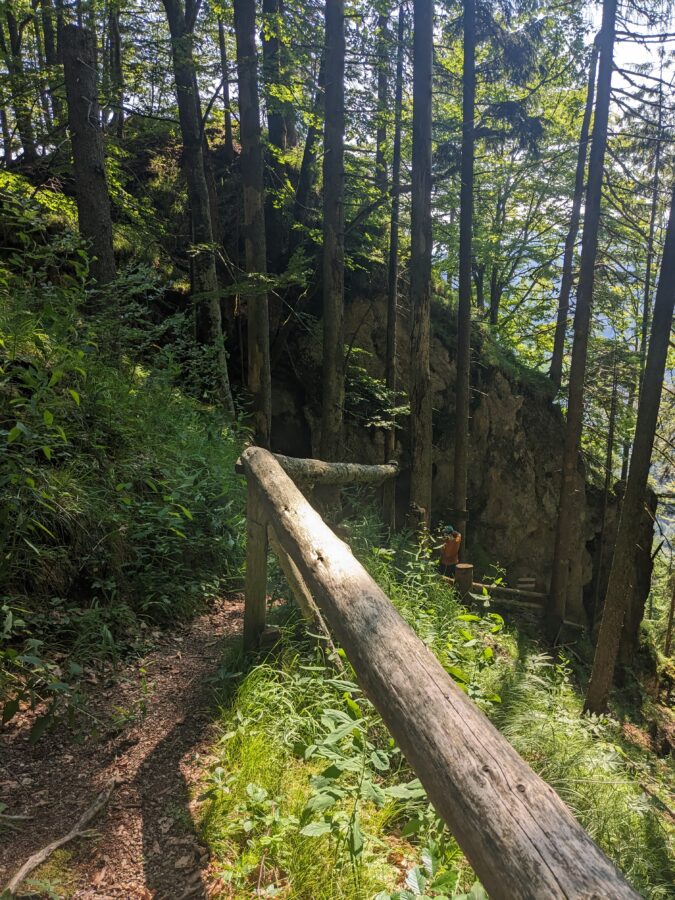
(337, 449)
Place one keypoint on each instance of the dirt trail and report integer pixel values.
(145, 845)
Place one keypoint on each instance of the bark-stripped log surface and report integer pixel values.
(319, 472)
(316, 471)
(511, 592)
(517, 833)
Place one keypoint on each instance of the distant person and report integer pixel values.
(450, 551)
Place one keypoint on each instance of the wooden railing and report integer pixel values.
(516, 832)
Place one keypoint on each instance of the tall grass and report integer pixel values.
(584, 760)
(266, 815)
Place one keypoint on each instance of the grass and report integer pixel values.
(310, 798)
(592, 769)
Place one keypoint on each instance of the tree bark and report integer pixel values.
(565, 530)
(622, 573)
(49, 31)
(60, 21)
(516, 832)
(462, 392)
(227, 112)
(555, 372)
(421, 436)
(671, 615)
(609, 471)
(271, 25)
(45, 101)
(646, 300)
(17, 84)
(333, 235)
(307, 176)
(301, 211)
(205, 280)
(6, 137)
(259, 378)
(389, 492)
(116, 70)
(382, 100)
(276, 128)
(495, 295)
(91, 187)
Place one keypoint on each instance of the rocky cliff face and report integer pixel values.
(516, 445)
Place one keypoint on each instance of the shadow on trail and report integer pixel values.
(174, 858)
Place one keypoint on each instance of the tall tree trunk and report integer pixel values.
(333, 234)
(609, 474)
(49, 31)
(259, 379)
(307, 176)
(555, 372)
(17, 84)
(671, 615)
(389, 490)
(622, 573)
(421, 435)
(60, 22)
(565, 530)
(227, 112)
(495, 295)
(625, 452)
(479, 281)
(6, 137)
(646, 299)
(205, 281)
(290, 113)
(93, 199)
(276, 128)
(465, 254)
(41, 66)
(271, 27)
(382, 100)
(301, 210)
(116, 70)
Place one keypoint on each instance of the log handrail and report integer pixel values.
(516, 832)
(536, 597)
(316, 471)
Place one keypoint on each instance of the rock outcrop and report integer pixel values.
(517, 433)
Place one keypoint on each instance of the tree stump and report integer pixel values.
(464, 579)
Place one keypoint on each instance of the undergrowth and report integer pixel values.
(119, 502)
(310, 798)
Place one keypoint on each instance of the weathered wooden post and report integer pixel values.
(255, 605)
(296, 583)
(303, 596)
(464, 579)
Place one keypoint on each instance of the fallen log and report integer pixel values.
(516, 832)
